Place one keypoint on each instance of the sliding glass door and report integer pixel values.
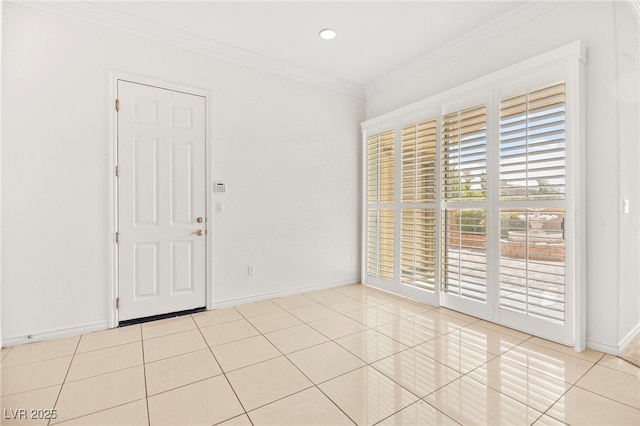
(463, 208)
(417, 206)
(471, 201)
(532, 208)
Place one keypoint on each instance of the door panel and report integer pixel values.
(145, 264)
(161, 196)
(182, 266)
(181, 188)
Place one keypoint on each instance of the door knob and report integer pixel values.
(199, 232)
(199, 220)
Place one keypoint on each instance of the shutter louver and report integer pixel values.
(532, 145)
(464, 253)
(532, 256)
(464, 149)
(419, 162)
(419, 247)
(380, 168)
(380, 243)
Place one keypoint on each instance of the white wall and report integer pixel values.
(610, 30)
(291, 209)
(286, 149)
(627, 22)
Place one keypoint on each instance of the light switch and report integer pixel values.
(625, 205)
(219, 206)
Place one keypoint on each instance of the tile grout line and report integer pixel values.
(107, 347)
(170, 333)
(498, 390)
(366, 363)
(546, 411)
(36, 362)
(408, 390)
(106, 373)
(487, 385)
(415, 403)
(224, 373)
(144, 371)
(576, 385)
(102, 410)
(2, 357)
(494, 356)
(637, 374)
(65, 378)
(370, 364)
(301, 372)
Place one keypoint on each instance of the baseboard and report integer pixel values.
(264, 296)
(603, 347)
(635, 331)
(614, 349)
(104, 325)
(56, 333)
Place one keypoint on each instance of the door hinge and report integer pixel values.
(117, 171)
(117, 303)
(117, 237)
(117, 104)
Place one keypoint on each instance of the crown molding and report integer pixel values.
(574, 52)
(468, 41)
(101, 15)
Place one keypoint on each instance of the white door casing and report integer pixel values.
(161, 200)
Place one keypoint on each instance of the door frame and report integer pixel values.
(114, 77)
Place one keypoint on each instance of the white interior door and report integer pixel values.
(161, 201)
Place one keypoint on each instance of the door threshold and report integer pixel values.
(161, 316)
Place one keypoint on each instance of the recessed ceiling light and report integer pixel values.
(327, 34)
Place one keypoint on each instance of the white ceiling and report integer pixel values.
(375, 38)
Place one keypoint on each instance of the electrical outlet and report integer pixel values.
(251, 270)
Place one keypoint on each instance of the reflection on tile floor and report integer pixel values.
(342, 356)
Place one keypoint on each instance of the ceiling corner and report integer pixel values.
(101, 15)
(474, 38)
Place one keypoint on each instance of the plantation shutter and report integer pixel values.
(480, 208)
(418, 222)
(380, 163)
(380, 198)
(419, 247)
(464, 147)
(419, 162)
(532, 144)
(464, 174)
(380, 243)
(532, 203)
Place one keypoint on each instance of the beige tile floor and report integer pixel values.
(344, 356)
